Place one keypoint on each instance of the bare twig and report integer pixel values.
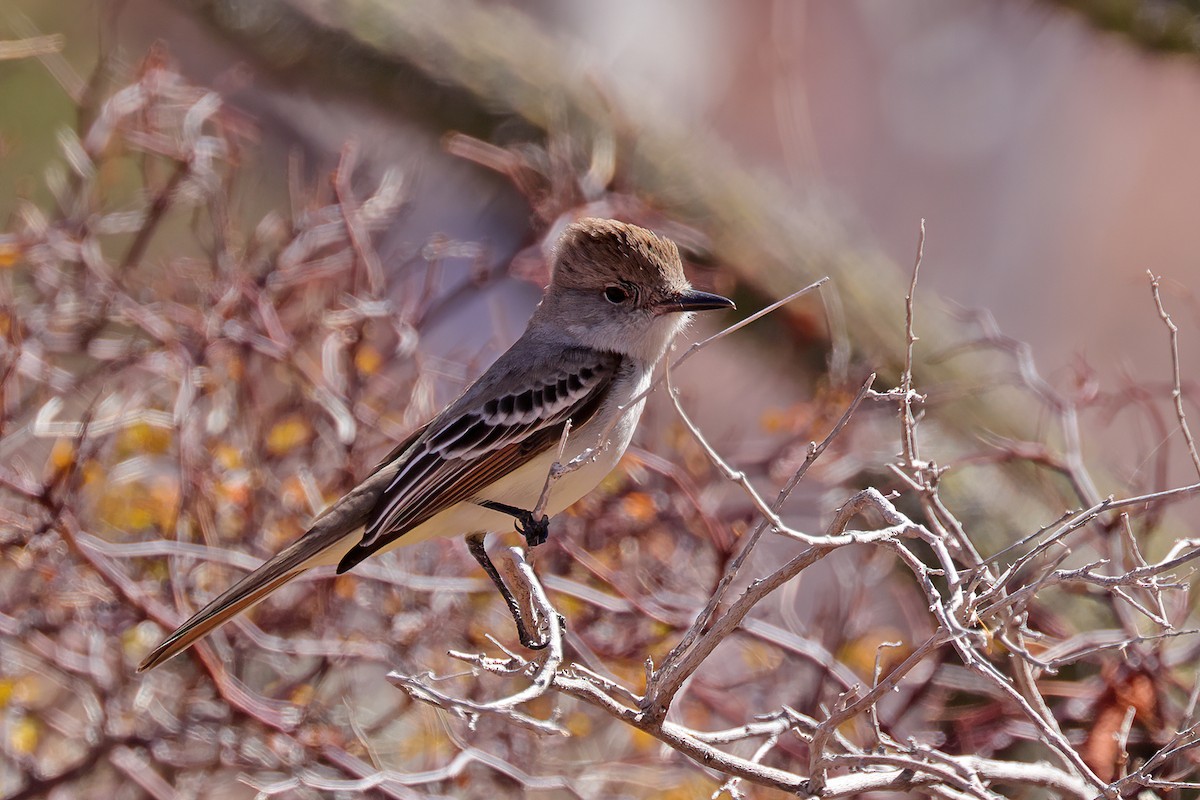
(907, 422)
(1176, 388)
(541, 675)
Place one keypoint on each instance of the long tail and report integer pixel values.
(325, 543)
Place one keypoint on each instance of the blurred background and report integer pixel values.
(1054, 163)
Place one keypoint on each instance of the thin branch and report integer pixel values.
(1176, 388)
(907, 422)
(541, 675)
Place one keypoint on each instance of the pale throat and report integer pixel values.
(651, 345)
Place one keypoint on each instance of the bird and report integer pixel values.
(617, 298)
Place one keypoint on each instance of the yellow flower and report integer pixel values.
(288, 434)
(368, 360)
(23, 737)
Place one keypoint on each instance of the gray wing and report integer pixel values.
(511, 414)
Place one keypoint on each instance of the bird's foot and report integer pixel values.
(536, 530)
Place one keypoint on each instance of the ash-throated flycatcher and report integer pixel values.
(617, 297)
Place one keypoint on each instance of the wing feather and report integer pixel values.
(468, 449)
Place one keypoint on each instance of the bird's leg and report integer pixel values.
(475, 545)
(535, 530)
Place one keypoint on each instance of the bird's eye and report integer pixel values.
(615, 295)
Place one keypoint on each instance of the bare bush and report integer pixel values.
(180, 395)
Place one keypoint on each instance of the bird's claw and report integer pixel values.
(535, 531)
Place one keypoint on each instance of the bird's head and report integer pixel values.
(621, 288)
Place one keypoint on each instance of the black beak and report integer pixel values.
(694, 300)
